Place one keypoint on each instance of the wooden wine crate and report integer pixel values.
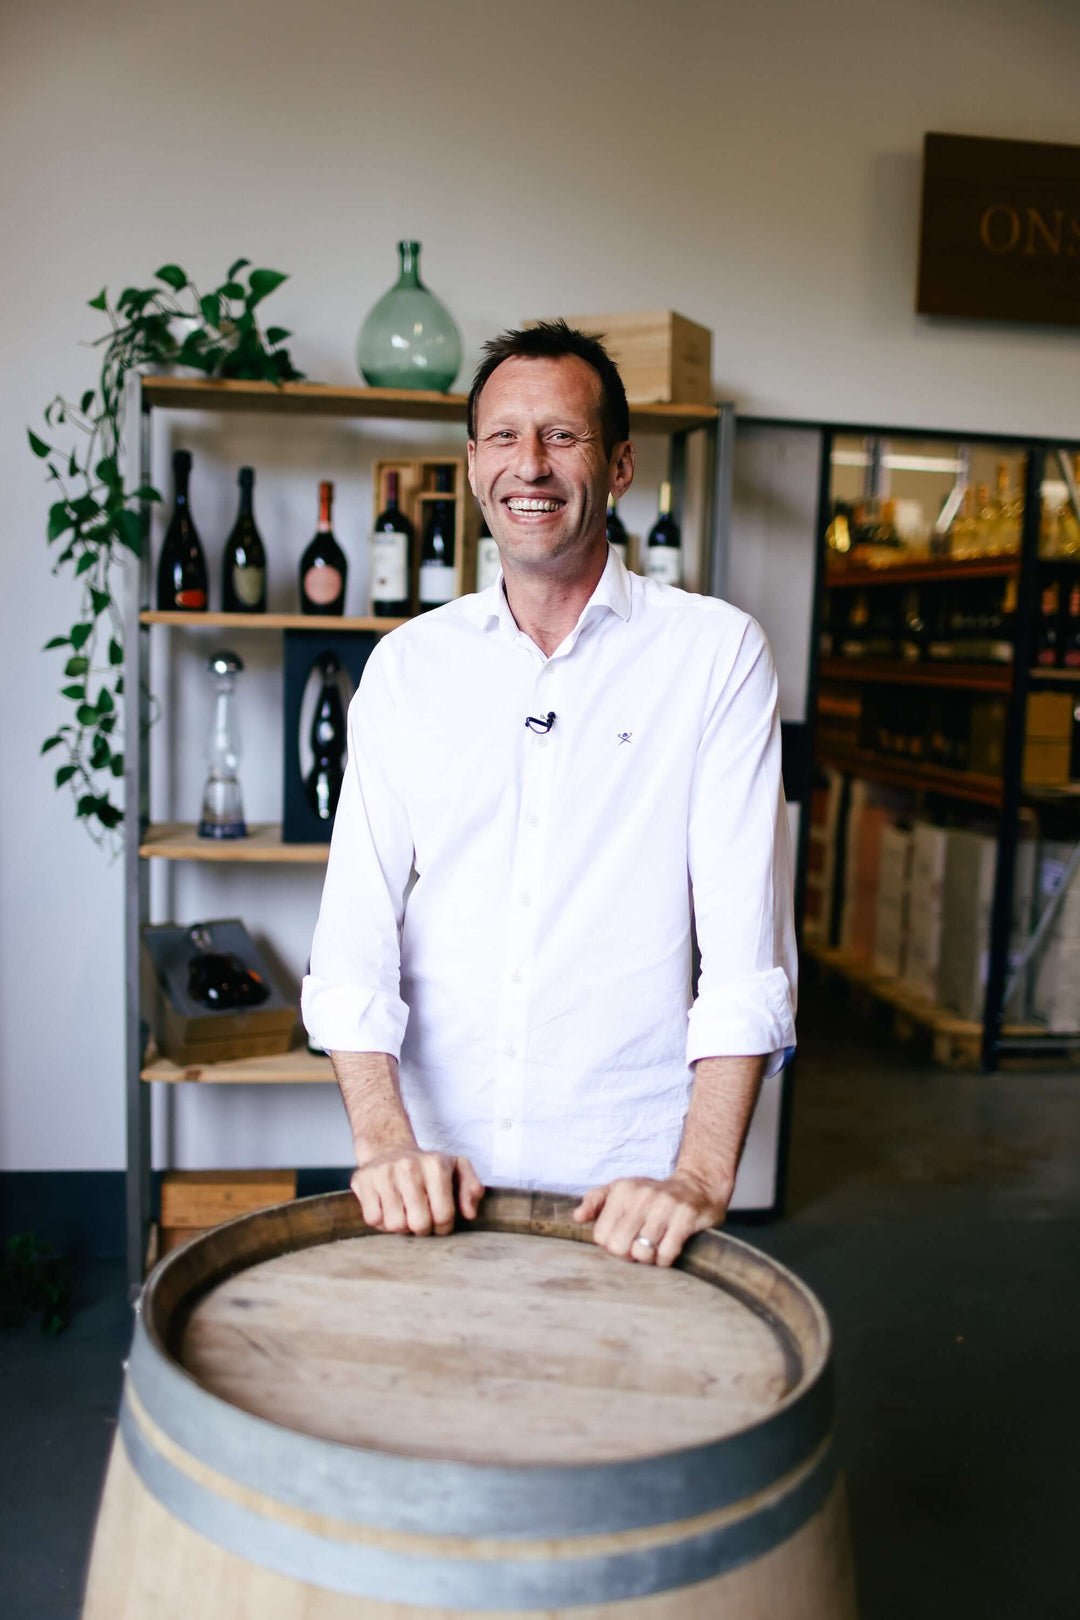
(193, 1200)
(416, 491)
(663, 358)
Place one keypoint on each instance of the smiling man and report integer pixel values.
(549, 783)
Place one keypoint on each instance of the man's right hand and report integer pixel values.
(406, 1189)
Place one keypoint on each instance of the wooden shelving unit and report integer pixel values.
(328, 624)
(987, 790)
(297, 1067)
(180, 841)
(964, 677)
(927, 572)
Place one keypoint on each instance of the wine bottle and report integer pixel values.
(663, 549)
(616, 533)
(182, 581)
(323, 782)
(912, 628)
(243, 585)
(323, 567)
(1047, 640)
(488, 561)
(1070, 630)
(437, 576)
(391, 557)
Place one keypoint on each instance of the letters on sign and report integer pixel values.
(1000, 230)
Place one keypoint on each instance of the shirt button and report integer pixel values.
(526, 898)
(533, 821)
(511, 1051)
(544, 741)
(517, 976)
(506, 1124)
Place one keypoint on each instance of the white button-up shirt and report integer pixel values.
(509, 912)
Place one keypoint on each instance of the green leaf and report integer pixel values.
(232, 289)
(173, 277)
(86, 562)
(51, 742)
(117, 766)
(241, 264)
(119, 686)
(59, 520)
(277, 334)
(116, 652)
(57, 641)
(108, 814)
(86, 715)
(75, 693)
(87, 805)
(38, 446)
(77, 666)
(107, 724)
(101, 301)
(146, 492)
(107, 470)
(210, 305)
(105, 704)
(100, 600)
(85, 507)
(86, 401)
(80, 635)
(263, 283)
(129, 529)
(100, 755)
(64, 774)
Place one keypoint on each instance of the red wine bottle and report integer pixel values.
(437, 575)
(1070, 629)
(1047, 639)
(324, 566)
(391, 557)
(243, 586)
(182, 580)
(663, 549)
(616, 533)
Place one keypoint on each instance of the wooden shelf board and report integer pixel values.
(902, 773)
(408, 404)
(1065, 677)
(180, 841)
(268, 621)
(899, 995)
(924, 572)
(296, 1067)
(972, 677)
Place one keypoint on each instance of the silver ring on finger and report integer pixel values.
(644, 1243)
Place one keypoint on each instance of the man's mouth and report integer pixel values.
(524, 505)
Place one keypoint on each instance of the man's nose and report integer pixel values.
(531, 461)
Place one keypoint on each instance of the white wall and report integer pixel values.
(756, 167)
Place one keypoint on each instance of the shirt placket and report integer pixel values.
(527, 897)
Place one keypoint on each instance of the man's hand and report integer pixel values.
(406, 1189)
(664, 1214)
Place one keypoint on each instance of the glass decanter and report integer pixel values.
(409, 339)
(223, 805)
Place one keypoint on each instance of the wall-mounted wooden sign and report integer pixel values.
(1000, 230)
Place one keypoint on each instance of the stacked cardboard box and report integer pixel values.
(968, 896)
(894, 880)
(925, 906)
(1055, 998)
(821, 855)
(868, 817)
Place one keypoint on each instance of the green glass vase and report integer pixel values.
(409, 339)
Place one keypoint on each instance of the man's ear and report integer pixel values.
(622, 468)
(470, 452)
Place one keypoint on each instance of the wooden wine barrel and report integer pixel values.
(324, 1423)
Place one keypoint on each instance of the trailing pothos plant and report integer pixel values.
(98, 517)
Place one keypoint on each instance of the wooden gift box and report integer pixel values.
(193, 1201)
(188, 1032)
(663, 358)
(416, 491)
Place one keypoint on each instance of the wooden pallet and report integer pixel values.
(955, 1042)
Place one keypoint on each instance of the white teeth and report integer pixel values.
(533, 506)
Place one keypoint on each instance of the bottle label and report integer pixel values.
(488, 563)
(247, 584)
(322, 585)
(436, 583)
(389, 567)
(664, 564)
(191, 599)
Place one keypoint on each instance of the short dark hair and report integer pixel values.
(551, 340)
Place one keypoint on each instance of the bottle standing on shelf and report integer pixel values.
(328, 742)
(182, 581)
(488, 561)
(663, 549)
(1070, 629)
(616, 533)
(391, 557)
(1047, 639)
(963, 533)
(857, 628)
(324, 567)
(437, 574)
(1008, 514)
(243, 573)
(223, 805)
(1067, 527)
(912, 628)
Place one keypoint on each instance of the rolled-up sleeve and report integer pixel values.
(741, 868)
(351, 999)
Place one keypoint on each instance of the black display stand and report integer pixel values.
(299, 823)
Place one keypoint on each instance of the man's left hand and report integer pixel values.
(649, 1221)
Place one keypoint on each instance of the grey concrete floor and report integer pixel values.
(937, 1215)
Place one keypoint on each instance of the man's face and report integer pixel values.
(538, 465)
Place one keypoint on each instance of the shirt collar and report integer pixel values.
(491, 610)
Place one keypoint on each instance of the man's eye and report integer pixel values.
(560, 433)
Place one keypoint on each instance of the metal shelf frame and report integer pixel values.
(675, 422)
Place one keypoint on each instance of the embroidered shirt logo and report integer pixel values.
(625, 736)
